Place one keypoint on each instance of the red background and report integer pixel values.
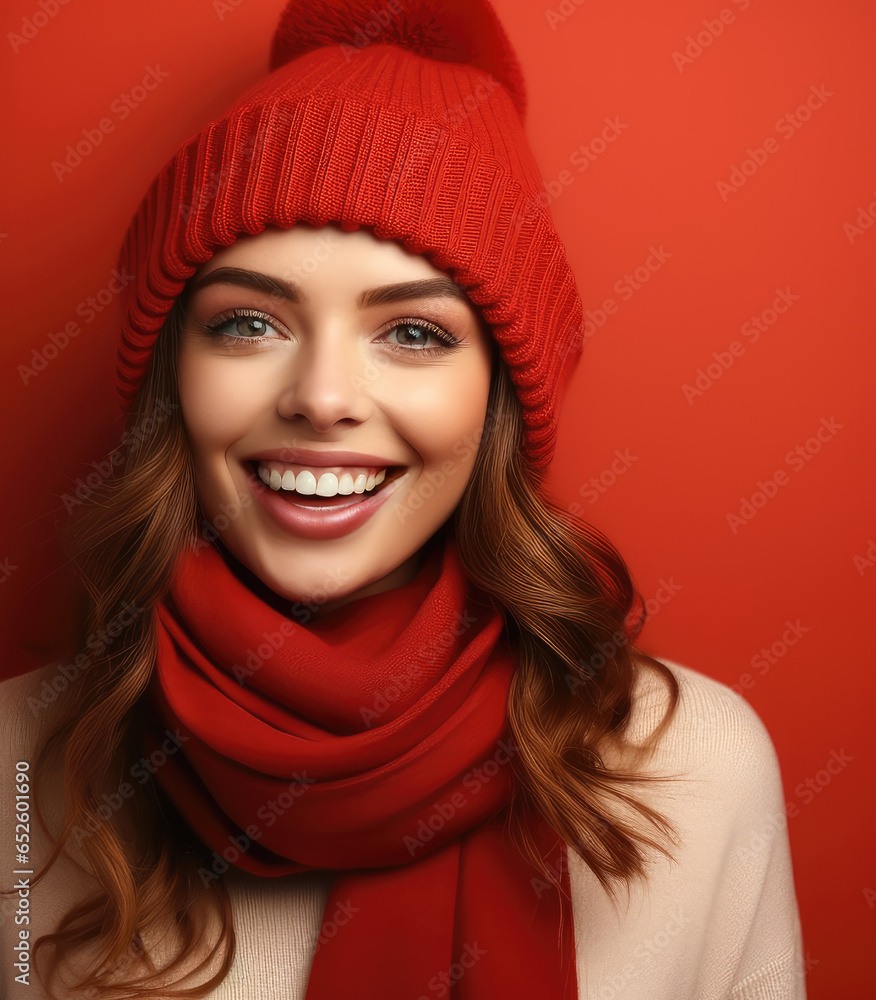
(801, 558)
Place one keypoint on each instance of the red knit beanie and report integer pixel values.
(406, 120)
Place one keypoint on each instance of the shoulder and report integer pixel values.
(29, 700)
(710, 765)
(24, 844)
(713, 774)
(27, 707)
(24, 703)
(712, 729)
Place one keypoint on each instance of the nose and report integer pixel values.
(323, 381)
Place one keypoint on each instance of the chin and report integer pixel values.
(314, 590)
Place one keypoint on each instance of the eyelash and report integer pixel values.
(448, 341)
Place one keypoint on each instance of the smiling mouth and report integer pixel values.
(338, 500)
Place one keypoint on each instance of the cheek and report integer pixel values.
(446, 424)
(215, 406)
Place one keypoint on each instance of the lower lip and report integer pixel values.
(318, 522)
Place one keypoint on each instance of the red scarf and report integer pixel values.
(372, 741)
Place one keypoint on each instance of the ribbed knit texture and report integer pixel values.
(429, 152)
(290, 769)
(720, 923)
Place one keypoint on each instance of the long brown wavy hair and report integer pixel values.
(565, 595)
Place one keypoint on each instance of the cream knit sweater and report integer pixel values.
(718, 923)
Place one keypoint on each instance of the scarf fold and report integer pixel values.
(373, 742)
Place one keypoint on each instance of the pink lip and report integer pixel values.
(318, 522)
(320, 459)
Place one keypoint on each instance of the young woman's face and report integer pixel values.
(334, 389)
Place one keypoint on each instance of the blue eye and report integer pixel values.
(242, 325)
(421, 338)
(422, 332)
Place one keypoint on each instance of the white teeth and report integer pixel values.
(328, 484)
(305, 484)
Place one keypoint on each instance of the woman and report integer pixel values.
(357, 708)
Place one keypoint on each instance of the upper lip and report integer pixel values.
(320, 459)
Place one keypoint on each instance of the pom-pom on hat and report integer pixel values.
(406, 120)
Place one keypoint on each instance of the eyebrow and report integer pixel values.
(427, 288)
